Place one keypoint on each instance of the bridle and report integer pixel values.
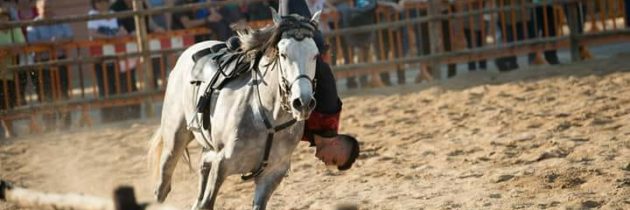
(285, 87)
(298, 28)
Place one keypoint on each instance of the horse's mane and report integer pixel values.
(263, 40)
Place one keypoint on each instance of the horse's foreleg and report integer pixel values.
(204, 171)
(214, 181)
(266, 183)
(175, 138)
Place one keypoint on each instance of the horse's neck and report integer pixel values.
(269, 89)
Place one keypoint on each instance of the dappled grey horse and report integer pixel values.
(257, 117)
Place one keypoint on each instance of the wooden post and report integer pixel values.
(435, 36)
(572, 20)
(143, 47)
(125, 199)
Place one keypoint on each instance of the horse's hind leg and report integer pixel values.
(176, 137)
(214, 181)
(266, 183)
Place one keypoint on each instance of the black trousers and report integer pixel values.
(477, 42)
(538, 27)
(510, 62)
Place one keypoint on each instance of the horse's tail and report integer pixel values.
(155, 153)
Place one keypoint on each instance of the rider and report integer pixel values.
(321, 127)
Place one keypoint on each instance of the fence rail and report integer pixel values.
(431, 34)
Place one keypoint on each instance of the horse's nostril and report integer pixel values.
(312, 104)
(297, 103)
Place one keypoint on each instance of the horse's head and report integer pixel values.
(296, 58)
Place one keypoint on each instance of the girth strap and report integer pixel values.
(268, 144)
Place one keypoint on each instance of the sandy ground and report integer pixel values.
(539, 138)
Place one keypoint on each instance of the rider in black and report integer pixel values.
(323, 124)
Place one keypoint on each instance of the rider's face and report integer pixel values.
(335, 152)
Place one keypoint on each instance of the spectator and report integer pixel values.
(25, 10)
(188, 19)
(106, 72)
(230, 14)
(128, 22)
(473, 27)
(389, 38)
(542, 16)
(259, 10)
(420, 39)
(581, 15)
(510, 22)
(8, 37)
(157, 23)
(11, 7)
(359, 14)
(423, 41)
(57, 33)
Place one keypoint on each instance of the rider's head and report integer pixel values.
(341, 151)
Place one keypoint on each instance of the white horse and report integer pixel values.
(275, 97)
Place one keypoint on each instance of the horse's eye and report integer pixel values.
(284, 56)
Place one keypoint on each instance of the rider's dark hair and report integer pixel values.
(354, 153)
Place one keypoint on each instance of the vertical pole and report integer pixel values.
(125, 199)
(143, 47)
(435, 36)
(572, 20)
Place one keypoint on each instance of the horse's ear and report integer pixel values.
(275, 16)
(315, 18)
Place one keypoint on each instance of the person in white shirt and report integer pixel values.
(106, 71)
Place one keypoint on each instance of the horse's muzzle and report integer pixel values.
(302, 107)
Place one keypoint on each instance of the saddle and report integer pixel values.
(217, 66)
